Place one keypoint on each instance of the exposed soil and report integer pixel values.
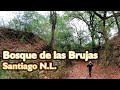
(79, 70)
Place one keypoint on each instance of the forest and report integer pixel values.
(63, 31)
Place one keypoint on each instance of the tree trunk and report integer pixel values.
(92, 29)
(53, 18)
(52, 37)
(107, 43)
(116, 20)
(93, 42)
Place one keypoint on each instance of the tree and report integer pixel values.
(117, 23)
(103, 18)
(87, 17)
(82, 37)
(53, 20)
(32, 21)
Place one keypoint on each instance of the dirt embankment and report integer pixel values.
(19, 41)
(112, 55)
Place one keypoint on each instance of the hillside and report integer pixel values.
(112, 56)
(19, 41)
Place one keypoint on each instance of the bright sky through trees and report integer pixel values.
(5, 16)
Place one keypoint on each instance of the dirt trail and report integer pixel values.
(80, 71)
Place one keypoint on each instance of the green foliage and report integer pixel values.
(31, 21)
(37, 74)
(65, 38)
(23, 38)
(88, 46)
(64, 34)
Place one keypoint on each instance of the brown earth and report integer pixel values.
(11, 40)
(79, 70)
(103, 69)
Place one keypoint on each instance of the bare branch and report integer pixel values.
(100, 16)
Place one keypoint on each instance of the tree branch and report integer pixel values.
(100, 16)
(116, 14)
